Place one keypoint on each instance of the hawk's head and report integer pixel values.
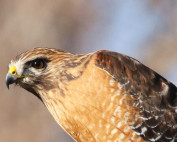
(37, 69)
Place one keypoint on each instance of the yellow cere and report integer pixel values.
(12, 70)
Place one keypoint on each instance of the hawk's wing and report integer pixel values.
(155, 97)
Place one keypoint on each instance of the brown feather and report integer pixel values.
(104, 96)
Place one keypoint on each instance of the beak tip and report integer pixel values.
(7, 86)
(10, 79)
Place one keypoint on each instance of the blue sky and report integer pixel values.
(126, 27)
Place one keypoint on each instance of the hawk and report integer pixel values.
(102, 96)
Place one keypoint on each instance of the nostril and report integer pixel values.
(13, 72)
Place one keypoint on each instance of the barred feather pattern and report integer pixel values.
(103, 96)
(155, 97)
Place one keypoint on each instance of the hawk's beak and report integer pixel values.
(11, 76)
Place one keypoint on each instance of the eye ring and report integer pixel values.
(38, 64)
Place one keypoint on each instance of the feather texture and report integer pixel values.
(103, 96)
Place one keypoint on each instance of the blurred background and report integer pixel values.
(145, 30)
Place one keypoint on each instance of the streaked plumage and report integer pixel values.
(103, 96)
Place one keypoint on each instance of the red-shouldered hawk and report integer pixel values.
(103, 96)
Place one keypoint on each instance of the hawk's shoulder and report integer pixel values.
(155, 96)
(129, 71)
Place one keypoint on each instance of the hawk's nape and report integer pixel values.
(102, 96)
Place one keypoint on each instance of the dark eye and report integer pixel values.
(38, 64)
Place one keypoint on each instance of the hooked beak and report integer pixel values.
(11, 76)
(10, 79)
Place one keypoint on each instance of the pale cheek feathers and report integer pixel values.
(34, 71)
(26, 80)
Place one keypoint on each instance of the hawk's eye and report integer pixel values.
(38, 64)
